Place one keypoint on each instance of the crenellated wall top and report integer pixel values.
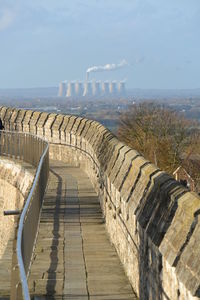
(166, 211)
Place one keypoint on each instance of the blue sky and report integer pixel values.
(45, 41)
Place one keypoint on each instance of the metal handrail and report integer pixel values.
(20, 229)
(20, 145)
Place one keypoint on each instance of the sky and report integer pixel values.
(43, 42)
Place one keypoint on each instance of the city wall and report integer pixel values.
(15, 183)
(152, 220)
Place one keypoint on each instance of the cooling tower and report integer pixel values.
(113, 88)
(87, 89)
(78, 88)
(96, 91)
(121, 88)
(62, 89)
(70, 89)
(105, 88)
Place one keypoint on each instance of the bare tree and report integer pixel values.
(158, 133)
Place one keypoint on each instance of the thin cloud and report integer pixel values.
(7, 17)
(140, 60)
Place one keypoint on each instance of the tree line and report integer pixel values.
(163, 136)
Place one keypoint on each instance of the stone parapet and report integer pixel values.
(152, 220)
(16, 178)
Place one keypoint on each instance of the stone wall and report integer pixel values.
(15, 182)
(152, 220)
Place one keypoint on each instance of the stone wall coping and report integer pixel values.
(166, 212)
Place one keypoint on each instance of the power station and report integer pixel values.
(91, 88)
(94, 88)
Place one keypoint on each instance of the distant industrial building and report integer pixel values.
(78, 88)
(62, 89)
(87, 89)
(91, 89)
(71, 92)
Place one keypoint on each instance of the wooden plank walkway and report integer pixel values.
(74, 258)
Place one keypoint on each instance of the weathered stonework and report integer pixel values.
(15, 182)
(152, 220)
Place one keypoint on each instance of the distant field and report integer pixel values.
(106, 111)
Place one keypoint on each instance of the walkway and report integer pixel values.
(73, 258)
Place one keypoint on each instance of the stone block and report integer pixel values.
(48, 125)
(70, 124)
(63, 128)
(26, 121)
(2, 111)
(19, 120)
(128, 158)
(33, 122)
(85, 130)
(115, 153)
(13, 119)
(181, 224)
(118, 163)
(132, 177)
(7, 117)
(76, 125)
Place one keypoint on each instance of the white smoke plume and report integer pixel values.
(108, 67)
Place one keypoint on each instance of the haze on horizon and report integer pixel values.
(46, 41)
